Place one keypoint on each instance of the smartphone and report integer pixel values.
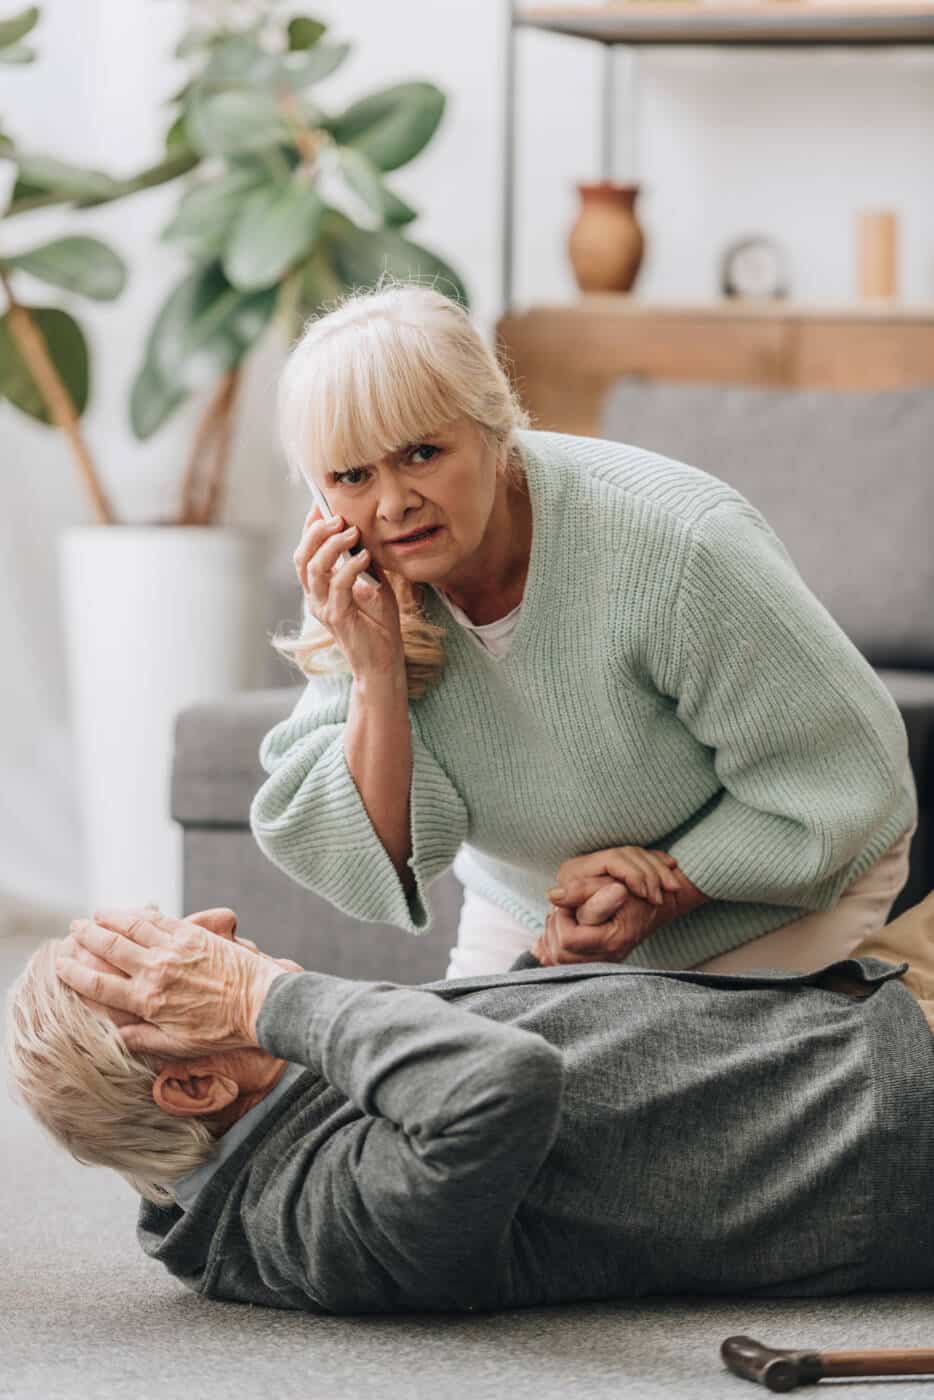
(328, 514)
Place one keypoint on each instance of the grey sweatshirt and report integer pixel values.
(569, 1133)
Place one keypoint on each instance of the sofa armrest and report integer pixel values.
(216, 773)
(216, 770)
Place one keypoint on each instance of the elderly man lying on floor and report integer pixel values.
(546, 1134)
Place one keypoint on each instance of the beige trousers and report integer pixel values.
(909, 938)
(854, 926)
(817, 939)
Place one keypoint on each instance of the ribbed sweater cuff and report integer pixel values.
(334, 849)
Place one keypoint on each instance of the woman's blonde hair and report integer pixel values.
(72, 1071)
(385, 367)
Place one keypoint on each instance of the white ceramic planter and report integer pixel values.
(156, 618)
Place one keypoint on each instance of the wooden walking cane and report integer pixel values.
(786, 1369)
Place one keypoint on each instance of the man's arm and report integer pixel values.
(412, 1203)
(404, 1196)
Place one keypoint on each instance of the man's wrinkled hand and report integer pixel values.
(197, 993)
(610, 901)
(628, 920)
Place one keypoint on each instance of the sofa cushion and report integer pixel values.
(845, 479)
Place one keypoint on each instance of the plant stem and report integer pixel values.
(307, 142)
(55, 396)
(207, 427)
(212, 434)
(216, 469)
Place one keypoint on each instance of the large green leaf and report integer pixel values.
(391, 126)
(18, 54)
(152, 401)
(237, 59)
(319, 283)
(176, 138)
(299, 70)
(361, 255)
(363, 177)
(191, 43)
(209, 211)
(23, 195)
(304, 32)
(78, 264)
(68, 351)
(18, 26)
(46, 174)
(278, 226)
(205, 328)
(242, 119)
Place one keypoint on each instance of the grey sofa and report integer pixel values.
(847, 481)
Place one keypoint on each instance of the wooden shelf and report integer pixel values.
(768, 22)
(564, 358)
(733, 308)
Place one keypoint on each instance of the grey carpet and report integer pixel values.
(84, 1313)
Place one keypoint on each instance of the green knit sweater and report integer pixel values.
(671, 683)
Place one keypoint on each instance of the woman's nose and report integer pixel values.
(393, 515)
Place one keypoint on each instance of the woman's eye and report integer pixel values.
(340, 478)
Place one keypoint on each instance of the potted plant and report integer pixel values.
(162, 614)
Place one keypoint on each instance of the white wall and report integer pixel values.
(727, 143)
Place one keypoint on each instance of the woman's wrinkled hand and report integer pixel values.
(645, 873)
(364, 622)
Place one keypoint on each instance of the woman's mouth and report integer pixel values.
(417, 541)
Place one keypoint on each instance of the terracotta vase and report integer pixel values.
(606, 243)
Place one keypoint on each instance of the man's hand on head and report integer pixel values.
(221, 921)
(188, 991)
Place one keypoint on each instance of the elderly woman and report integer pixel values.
(590, 676)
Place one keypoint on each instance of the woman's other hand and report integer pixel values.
(364, 622)
(646, 873)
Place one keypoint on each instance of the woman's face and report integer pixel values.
(448, 480)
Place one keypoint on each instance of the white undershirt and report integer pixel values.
(488, 939)
(493, 636)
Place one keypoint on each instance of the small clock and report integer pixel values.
(753, 267)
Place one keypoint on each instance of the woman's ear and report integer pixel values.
(185, 1091)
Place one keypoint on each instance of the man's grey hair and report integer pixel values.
(73, 1072)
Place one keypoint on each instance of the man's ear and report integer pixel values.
(185, 1091)
(221, 921)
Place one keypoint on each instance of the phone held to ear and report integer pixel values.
(328, 514)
